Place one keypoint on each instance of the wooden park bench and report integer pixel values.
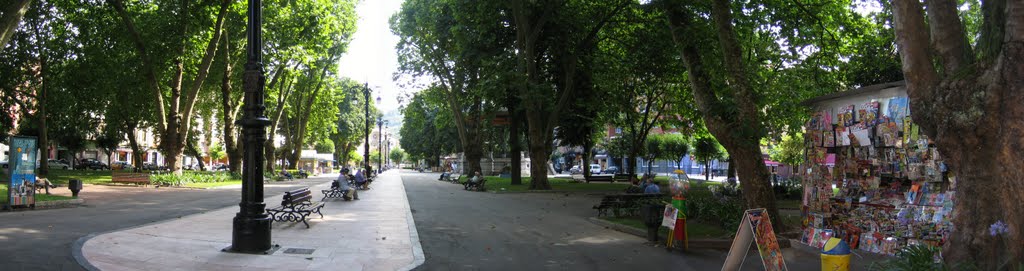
(623, 177)
(479, 186)
(129, 177)
(625, 204)
(296, 206)
(579, 178)
(600, 178)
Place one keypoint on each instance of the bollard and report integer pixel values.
(75, 185)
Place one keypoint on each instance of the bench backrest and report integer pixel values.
(129, 177)
(600, 177)
(296, 196)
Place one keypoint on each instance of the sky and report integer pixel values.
(371, 54)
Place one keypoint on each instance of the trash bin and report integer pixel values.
(835, 256)
(75, 185)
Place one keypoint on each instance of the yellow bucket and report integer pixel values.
(835, 262)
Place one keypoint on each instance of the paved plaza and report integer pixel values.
(374, 233)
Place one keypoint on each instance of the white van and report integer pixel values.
(595, 169)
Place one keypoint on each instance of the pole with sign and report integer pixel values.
(22, 164)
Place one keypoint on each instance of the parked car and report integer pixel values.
(220, 167)
(576, 170)
(93, 164)
(595, 169)
(149, 166)
(121, 165)
(611, 170)
(53, 163)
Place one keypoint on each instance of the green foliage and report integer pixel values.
(653, 147)
(790, 151)
(217, 152)
(188, 177)
(427, 129)
(914, 258)
(709, 204)
(674, 147)
(706, 149)
(397, 156)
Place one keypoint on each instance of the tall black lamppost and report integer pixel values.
(380, 149)
(387, 148)
(366, 146)
(251, 226)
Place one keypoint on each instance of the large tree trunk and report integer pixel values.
(134, 144)
(739, 131)
(539, 152)
(228, 114)
(973, 111)
(11, 18)
(631, 161)
(513, 139)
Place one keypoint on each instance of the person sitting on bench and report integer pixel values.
(652, 187)
(285, 174)
(474, 181)
(360, 179)
(444, 176)
(342, 183)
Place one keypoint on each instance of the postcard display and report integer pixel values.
(893, 188)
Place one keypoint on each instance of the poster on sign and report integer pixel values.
(756, 227)
(22, 165)
(668, 218)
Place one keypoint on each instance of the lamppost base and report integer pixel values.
(272, 249)
(250, 235)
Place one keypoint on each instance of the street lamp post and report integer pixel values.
(366, 145)
(380, 148)
(387, 149)
(251, 226)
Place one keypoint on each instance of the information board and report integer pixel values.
(22, 165)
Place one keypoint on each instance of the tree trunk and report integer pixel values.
(513, 139)
(228, 113)
(12, 14)
(632, 161)
(136, 150)
(195, 152)
(974, 115)
(730, 177)
(172, 157)
(741, 143)
(44, 140)
(707, 170)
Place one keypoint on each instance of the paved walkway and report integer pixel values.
(376, 232)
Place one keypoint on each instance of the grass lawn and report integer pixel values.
(39, 197)
(60, 176)
(560, 184)
(693, 229)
